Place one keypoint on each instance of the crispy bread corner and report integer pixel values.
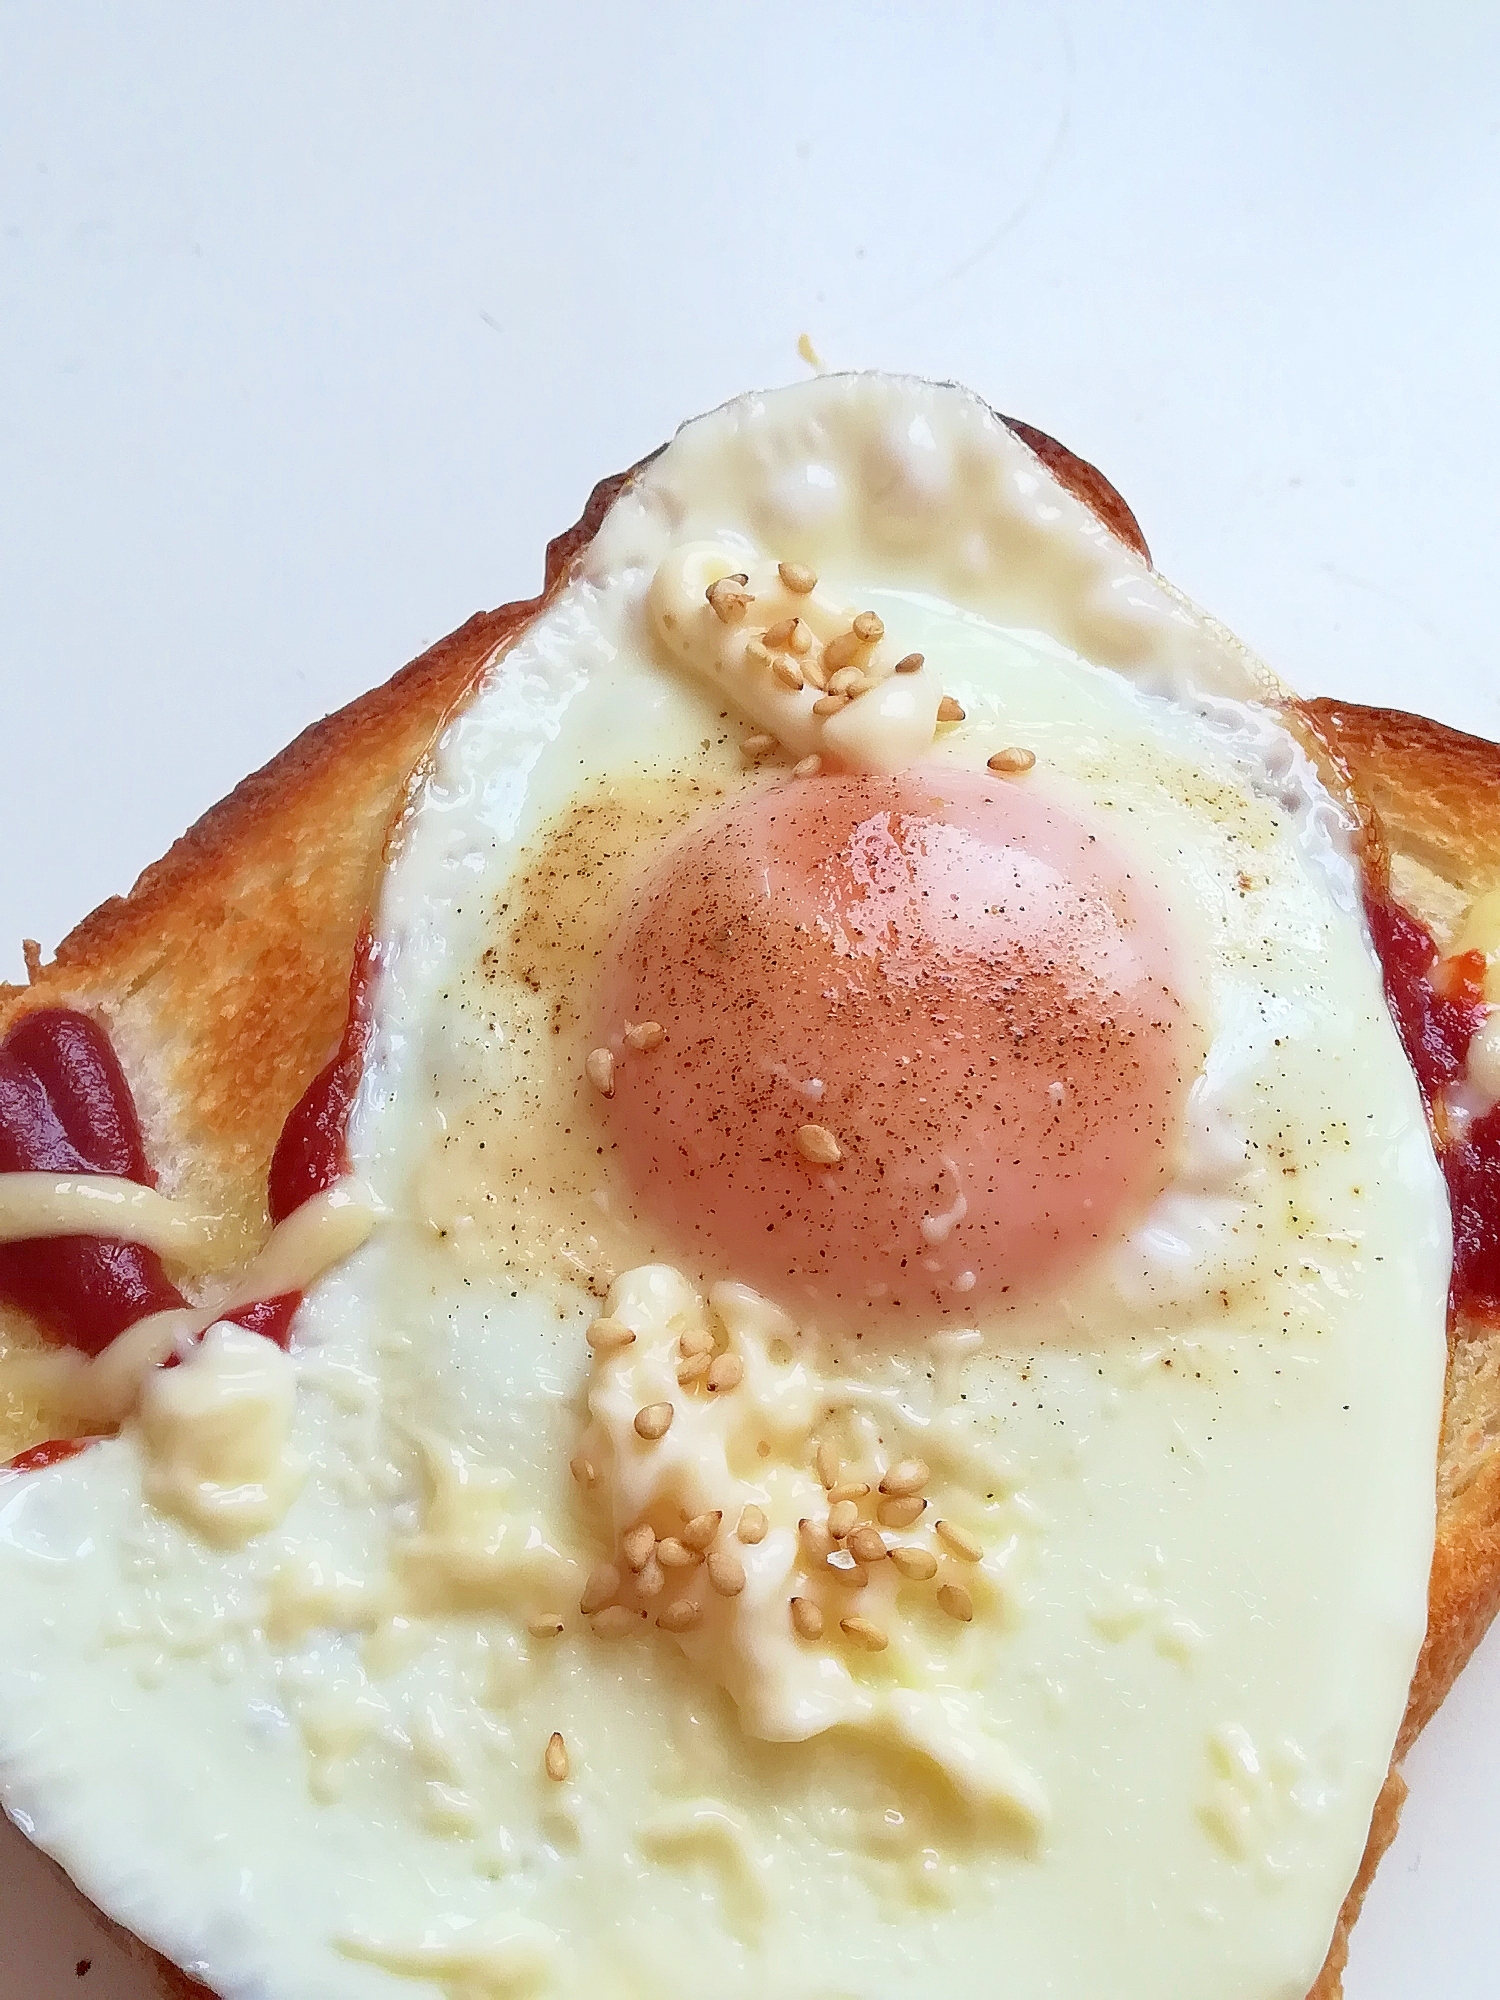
(223, 977)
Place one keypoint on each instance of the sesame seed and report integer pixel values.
(848, 680)
(911, 663)
(800, 638)
(808, 767)
(842, 1567)
(603, 1584)
(869, 627)
(646, 1036)
(729, 598)
(637, 1544)
(848, 1489)
(797, 577)
(757, 746)
(841, 652)
(919, 1564)
(815, 1538)
(583, 1471)
(958, 1541)
(600, 1069)
(606, 1336)
(1007, 763)
(753, 1525)
(780, 634)
(693, 1369)
(673, 1553)
(815, 673)
(726, 1573)
(726, 1372)
(818, 1146)
(556, 1758)
(867, 1634)
(949, 710)
(788, 673)
(905, 1477)
(701, 1530)
(842, 1517)
(956, 1601)
(697, 1340)
(653, 1422)
(545, 1626)
(614, 1622)
(867, 1545)
(807, 1619)
(652, 1580)
(901, 1513)
(830, 704)
(827, 1462)
(683, 1614)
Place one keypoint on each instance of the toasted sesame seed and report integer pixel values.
(636, 1545)
(729, 598)
(753, 1524)
(800, 638)
(807, 1618)
(867, 1544)
(843, 1569)
(797, 577)
(726, 1372)
(646, 1036)
(603, 1584)
(949, 710)
(757, 746)
(693, 1369)
(653, 1578)
(683, 1614)
(848, 681)
(726, 1573)
(958, 1541)
(555, 1758)
(841, 652)
(779, 635)
(901, 1513)
(867, 1634)
(830, 704)
(818, 1146)
(815, 673)
(583, 1470)
(702, 1529)
(546, 1625)
(815, 1538)
(828, 1464)
(614, 1622)
(673, 1553)
(842, 1517)
(869, 627)
(1006, 763)
(911, 663)
(808, 767)
(956, 1601)
(600, 1069)
(653, 1422)
(918, 1564)
(788, 673)
(605, 1336)
(697, 1340)
(905, 1477)
(848, 1489)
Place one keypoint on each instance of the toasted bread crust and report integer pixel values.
(223, 976)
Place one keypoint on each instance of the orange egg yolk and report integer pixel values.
(924, 1043)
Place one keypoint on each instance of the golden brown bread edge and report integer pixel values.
(223, 977)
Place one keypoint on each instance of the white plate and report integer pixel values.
(316, 323)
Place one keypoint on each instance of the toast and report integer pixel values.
(223, 980)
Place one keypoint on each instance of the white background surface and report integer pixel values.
(316, 322)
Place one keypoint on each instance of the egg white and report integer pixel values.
(1202, 1473)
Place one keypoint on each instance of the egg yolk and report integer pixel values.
(923, 1043)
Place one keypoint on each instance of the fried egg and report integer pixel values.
(884, 1437)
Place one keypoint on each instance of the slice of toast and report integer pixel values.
(223, 979)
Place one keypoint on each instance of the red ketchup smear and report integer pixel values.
(1439, 1007)
(65, 1108)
